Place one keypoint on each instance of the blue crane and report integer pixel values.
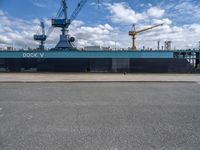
(62, 21)
(41, 37)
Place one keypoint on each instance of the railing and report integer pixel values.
(192, 56)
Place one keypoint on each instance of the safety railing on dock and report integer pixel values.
(192, 56)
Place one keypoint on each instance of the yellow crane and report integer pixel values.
(133, 33)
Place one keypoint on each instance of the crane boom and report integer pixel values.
(64, 3)
(146, 29)
(58, 15)
(43, 28)
(78, 9)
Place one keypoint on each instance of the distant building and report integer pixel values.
(106, 48)
(96, 48)
(10, 48)
(92, 48)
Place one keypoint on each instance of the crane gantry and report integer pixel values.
(133, 33)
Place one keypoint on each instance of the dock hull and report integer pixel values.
(132, 65)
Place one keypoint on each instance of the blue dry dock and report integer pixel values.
(102, 61)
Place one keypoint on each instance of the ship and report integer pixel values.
(67, 58)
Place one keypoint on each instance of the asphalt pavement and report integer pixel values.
(100, 116)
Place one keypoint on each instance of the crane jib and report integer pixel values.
(78, 9)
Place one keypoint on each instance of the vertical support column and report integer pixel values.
(158, 48)
(120, 64)
(197, 60)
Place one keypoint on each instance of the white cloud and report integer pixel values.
(149, 4)
(184, 11)
(188, 8)
(122, 13)
(98, 35)
(165, 21)
(36, 21)
(40, 3)
(1, 13)
(17, 32)
(155, 12)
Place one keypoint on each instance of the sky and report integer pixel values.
(106, 23)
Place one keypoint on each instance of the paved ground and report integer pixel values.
(99, 116)
(85, 77)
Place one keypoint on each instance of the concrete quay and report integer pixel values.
(96, 77)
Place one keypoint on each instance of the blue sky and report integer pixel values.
(106, 23)
(31, 9)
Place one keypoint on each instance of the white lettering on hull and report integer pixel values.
(33, 55)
